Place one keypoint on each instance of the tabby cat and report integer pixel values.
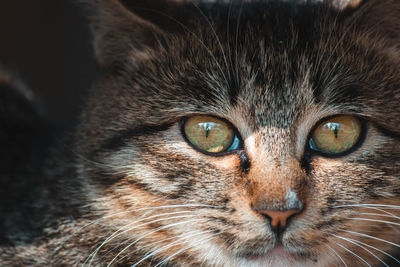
(224, 133)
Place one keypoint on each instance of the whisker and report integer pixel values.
(337, 255)
(215, 34)
(195, 36)
(150, 245)
(121, 231)
(227, 36)
(321, 56)
(207, 238)
(236, 44)
(149, 233)
(373, 220)
(126, 241)
(123, 243)
(344, 35)
(355, 243)
(373, 237)
(375, 248)
(380, 215)
(79, 155)
(168, 246)
(148, 209)
(369, 205)
(388, 213)
(137, 226)
(141, 209)
(354, 254)
(384, 211)
(220, 249)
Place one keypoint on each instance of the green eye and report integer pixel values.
(336, 135)
(210, 134)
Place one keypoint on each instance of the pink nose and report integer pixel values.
(279, 218)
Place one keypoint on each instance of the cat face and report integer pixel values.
(273, 75)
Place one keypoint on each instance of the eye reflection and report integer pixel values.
(335, 127)
(207, 126)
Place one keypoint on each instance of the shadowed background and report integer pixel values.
(47, 43)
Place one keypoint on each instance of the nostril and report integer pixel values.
(278, 218)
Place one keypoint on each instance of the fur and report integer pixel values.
(133, 191)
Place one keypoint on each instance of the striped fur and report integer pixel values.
(141, 195)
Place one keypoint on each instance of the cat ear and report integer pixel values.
(380, 19)
(345, 4)
(120, 31)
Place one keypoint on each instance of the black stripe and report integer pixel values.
(392, 133)
(120, 139)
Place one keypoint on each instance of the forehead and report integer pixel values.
(259, 59)
(270, 63)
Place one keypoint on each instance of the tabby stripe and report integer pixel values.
(123, 137)
(329, 223)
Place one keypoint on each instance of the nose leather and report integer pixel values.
(279, 218)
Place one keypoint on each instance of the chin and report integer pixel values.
(277, 257)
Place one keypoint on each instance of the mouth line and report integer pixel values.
(279, 252)
(276, 251)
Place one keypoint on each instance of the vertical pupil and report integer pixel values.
(336, 130)
(207, 129)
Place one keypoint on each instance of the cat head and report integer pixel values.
(301, 102)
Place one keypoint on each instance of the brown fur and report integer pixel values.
(134, 191)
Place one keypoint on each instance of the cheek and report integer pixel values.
(328, 175)
(226, 163)
(325, 176)
(338, 182)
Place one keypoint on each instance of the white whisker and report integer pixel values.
(373, 220)
(355, 243)
(375, 248)
(369, 205)
(236, 45)
(168, 246)
(337, 255)
(342, 38)
(380, 215)
(207, 238)
(384, 211)
(220, 249)
(136, 210)
(196, 37)
(354, 254)
(227, 37)
(79, 155)
(148, 208)
(373, 237)
(149, 233)
(215, 34)
(122, 231)
(321, 56)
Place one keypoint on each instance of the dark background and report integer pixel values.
(47, 42)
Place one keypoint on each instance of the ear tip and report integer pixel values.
(346, 4)
(119, 33)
